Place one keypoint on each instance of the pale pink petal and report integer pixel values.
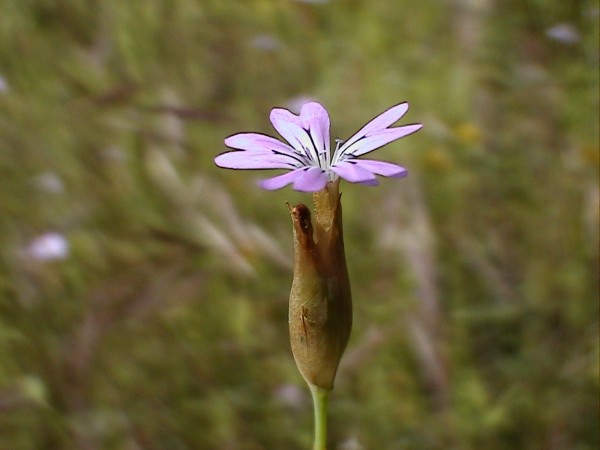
(282, 180)
(314, 118)
(289, 126)
(352, 172)
(257, 141)
(379, 139)
(255, 160)
(372, 182)
(382, 168)
(312, 180)
(380, 122)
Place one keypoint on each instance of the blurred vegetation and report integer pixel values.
(159, 321)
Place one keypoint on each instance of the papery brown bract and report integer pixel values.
(320, 310)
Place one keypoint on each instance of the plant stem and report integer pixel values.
(320, 399)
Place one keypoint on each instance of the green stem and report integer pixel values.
(320, 399)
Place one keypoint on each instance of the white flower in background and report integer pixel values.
(352, 443)
(564, 33)
(49, 246)
(49, 182)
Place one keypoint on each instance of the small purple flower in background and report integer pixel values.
(308, 156)
(49, 246)
(564, 33)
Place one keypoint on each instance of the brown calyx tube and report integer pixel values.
(320, 309)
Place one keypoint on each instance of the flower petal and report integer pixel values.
(353, 172)
(255, 160)
(280, 181)
(305, 179)
(313, 180)
(382, 121)
(382, 168)
(314, 118)
(289, 126)
(308, 133)
(257, 141)
(373, 182)
(378, 139)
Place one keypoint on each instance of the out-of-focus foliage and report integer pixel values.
(143, 291)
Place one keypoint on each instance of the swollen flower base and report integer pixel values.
(320, 309)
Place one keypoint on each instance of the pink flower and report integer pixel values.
(307, 154)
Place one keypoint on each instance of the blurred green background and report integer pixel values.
(144, 291)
